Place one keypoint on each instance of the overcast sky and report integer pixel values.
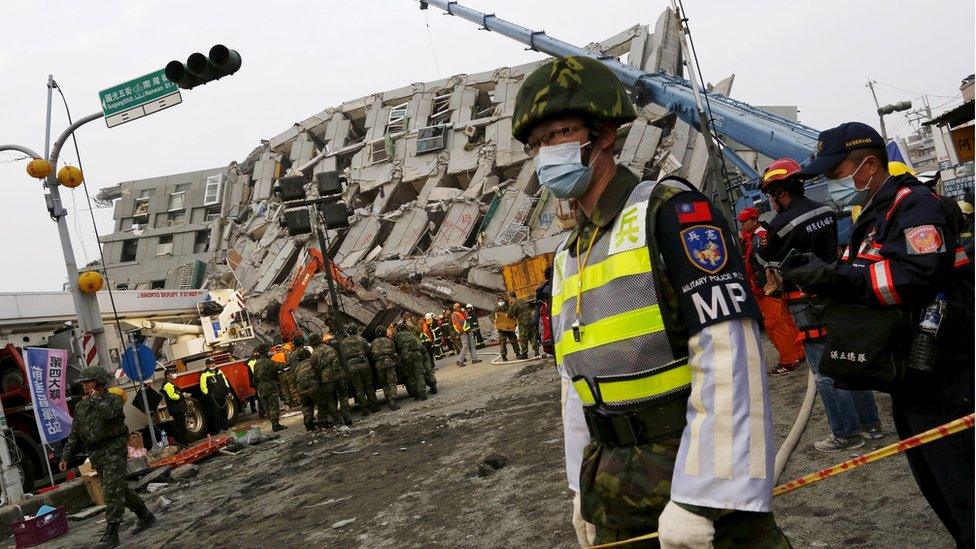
(301, 57)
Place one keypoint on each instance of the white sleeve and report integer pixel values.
(575, 434)
(726, 456)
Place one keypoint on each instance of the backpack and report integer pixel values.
(545, 327)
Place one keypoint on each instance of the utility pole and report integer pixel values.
(884, 133)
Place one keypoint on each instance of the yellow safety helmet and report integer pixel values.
(120, 392)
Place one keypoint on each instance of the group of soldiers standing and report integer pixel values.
(325, 372)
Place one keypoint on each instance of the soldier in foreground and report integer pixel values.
(333, 377)
(307, 380)
(412, 359)
(355, 349)
(99, 430)
(266, 372)
(668, 428)
(385, 358)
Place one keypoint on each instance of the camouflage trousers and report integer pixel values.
(429, 379)
(388, 380)
(507, 337)
(529, 335)
(623, 490)
(270, 401)
(109, 460)
(333, 392)
(415, 372)
(311, 401)
(361, 378)
(289, 391)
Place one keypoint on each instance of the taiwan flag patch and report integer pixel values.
(694, 212)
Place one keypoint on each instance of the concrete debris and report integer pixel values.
(442, 196)
(184, 472)
(158, 474)
(496, 461)
(343, 523)
(162, 503)
(154, 487)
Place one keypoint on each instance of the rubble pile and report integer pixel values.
(442, 196)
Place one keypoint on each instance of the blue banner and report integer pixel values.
(47, 370)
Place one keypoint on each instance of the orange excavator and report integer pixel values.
(286, 315)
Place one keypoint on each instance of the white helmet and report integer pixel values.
(469, 306)
(429, 316)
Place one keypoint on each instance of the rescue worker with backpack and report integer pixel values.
(307, 381)
(355, 349)
(266, 374)
(215, 389)
(385, 358)
(647, 445)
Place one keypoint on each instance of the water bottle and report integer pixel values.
(163, 439)
(924, 350)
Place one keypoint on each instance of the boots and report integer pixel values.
(275, 427)
(110, 538)
(347, 418)
(433, 389)
(309, 426)
(146, 520)
(394, 406)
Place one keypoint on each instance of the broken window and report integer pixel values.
(441, 110)
(211, 213)
(378, 151)
(165, 245)
(129, 248)
(140, 212)
(212, 193)
(486, 102)
(122, 286)
(201, 242)
(157, 284)
(398, 119)
(176, 219)
(430, 139)
(176, 200)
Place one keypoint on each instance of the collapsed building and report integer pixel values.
(441, 196)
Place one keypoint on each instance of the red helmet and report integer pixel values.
(747, 214)
(780, 170)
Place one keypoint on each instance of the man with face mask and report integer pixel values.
(649, 308)
(803, 225)
(901, 253)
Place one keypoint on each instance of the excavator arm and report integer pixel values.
(286, 315)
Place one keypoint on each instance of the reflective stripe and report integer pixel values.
(648, 386)
(961, 257)
(757, 405)
(883, 284)
(722, 403)
(698, 410)
(800, 219)
(585, 394)
(847, 253)
(599, 274)
(645, 320)
(899, 196)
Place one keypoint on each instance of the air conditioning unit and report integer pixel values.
(470, 131)
(164, 249)
(176, 222)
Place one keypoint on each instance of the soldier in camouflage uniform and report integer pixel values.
(412, 358)
(505, 336)
(528, 330)
(385, 358)
(289, 394)
(309, 390)
(99, 430)
(355, 349)
(666, 412)
(266, 372)
(332, 375)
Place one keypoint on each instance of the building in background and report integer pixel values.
(164, 227)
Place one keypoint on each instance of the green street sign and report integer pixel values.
(138, 97)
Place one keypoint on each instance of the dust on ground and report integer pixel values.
(417, 478)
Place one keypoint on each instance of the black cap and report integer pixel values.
(835, 144)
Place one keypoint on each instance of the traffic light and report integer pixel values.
(335, 215)
(200, 69)
(297, 221)
(895, 107)
(329, 183)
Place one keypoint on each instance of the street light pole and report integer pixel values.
(884, 133)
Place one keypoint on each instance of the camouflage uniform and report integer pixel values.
(99, 430)
(385, 358)
(289, 393)
(332, 376)
(624, 487)
(412, 358)
(356, 351)
(266, 373)
(505, 336)
(528, 331)
(309, 390)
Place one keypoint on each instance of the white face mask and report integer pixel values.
(560, 169)
(844, 191)
(501, 303)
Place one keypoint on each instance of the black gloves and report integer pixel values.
(809, 272)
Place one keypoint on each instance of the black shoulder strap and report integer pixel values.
(667, 296)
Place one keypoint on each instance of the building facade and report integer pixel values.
(164, 227)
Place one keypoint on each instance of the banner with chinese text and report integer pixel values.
(47, 370)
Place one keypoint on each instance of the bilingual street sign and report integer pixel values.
(138, 97)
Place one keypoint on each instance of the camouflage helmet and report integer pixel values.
(314, 339)
(352, 328)
(381, 331)
(570, 85)
(94, 373)
(299, 340)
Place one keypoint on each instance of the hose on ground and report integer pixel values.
(793, 437)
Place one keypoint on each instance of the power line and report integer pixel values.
(430, 38)
(910, 91)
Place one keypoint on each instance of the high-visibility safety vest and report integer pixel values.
(623, 356)
(426, 334)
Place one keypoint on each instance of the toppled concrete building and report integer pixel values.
(442, 195)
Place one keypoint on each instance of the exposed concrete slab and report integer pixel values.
(458, 293)
(486, 279)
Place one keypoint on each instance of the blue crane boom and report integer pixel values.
(761, 131)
